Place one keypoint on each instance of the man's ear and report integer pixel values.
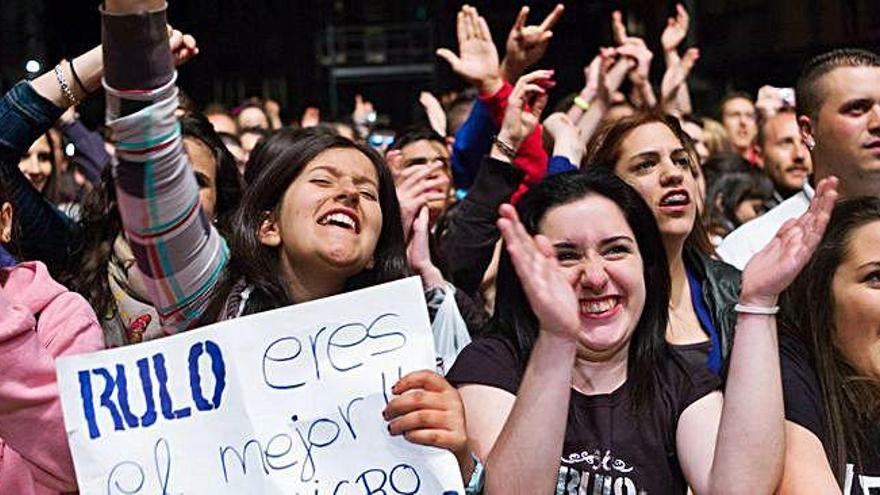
(5, 222)
(269, 234)
(806, 127)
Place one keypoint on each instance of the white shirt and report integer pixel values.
(740, 245)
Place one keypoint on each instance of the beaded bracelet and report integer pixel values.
(505, 149)
(65, 88)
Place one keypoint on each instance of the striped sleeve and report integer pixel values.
(179, 252)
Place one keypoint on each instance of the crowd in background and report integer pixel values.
(622, 293)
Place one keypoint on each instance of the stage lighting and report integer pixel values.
(32, 66)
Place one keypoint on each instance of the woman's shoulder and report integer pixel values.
(490, 360)
(801, 389)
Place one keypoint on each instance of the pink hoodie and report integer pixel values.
(39, 321)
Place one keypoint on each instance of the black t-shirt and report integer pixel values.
(695, 354)
(804, 406)
(607, 449)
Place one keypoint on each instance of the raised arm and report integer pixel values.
(525, 459)
(527, 44)
(635, 48)
(674, 94)
(179, 252)
(478, 64)
(737, 444)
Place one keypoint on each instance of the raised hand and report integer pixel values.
(527, 44)
(618, 29)
(183, 46)
(567, 139)
(677, 72)
(612, 73)
(434, 111)
(636, 49)
(418, 252)
(773, 268)
(477, 61)
(310, 118)
(676, 29)
(520, 118)
(549, 292)
(429, 411)
(417, 186)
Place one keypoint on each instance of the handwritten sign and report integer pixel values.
(287, 401)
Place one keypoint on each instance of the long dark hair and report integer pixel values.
(514, 317)
(604, 151)
(230, 185)
(851, 400)
(283, 156)
(101, 224)
(726, 193)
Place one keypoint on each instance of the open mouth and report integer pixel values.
(675, 200)
(601, 307)
(342, 219)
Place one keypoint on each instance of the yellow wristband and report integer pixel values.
(581, 103)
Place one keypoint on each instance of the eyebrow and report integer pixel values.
(617, 238)
(656, 154)
(603, 242)
(645, 154)
(359, 179)
(875, 264)
(856, 102)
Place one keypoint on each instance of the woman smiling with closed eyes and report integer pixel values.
(575, 387)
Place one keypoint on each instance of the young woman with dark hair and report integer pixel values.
(319, 219)
(38, 165)
(830, 355)
(576, 388)
(268, 231)
(734, 199)
(654, 155)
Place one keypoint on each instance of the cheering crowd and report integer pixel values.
(624, 297)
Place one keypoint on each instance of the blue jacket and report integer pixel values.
(44, 232)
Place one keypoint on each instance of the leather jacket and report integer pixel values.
(721, 286)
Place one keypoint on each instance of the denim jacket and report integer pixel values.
(44, 232)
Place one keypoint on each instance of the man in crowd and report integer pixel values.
(838, 107)
(738, 118)
(782, 153)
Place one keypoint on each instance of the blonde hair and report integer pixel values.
(715, 137)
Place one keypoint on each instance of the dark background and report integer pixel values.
(321, 52)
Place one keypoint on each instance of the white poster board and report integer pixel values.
(287, 401)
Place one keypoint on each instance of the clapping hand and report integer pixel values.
(550, 294)
(773, 268)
